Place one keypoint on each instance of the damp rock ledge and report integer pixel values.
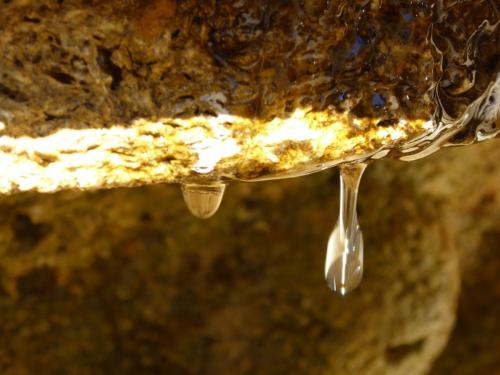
(122, 93)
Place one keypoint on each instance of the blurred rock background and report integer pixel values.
(125, 281)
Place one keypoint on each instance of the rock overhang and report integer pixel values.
(121, 93)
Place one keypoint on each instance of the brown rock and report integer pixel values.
(118, 93)
(125, 281)
(100, 94)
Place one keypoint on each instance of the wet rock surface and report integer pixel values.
(122, 93)
(88, 64)
(126, 281)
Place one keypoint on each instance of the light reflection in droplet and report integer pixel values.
(344, 257)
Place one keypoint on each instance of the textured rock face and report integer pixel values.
(98, 94)
(477, 330)
(125, 281)
(106, 63)
(101, 94)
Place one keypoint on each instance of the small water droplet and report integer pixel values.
(203, 200)
(407, 16)
(344, 256)
(378, 101)
(356, 47)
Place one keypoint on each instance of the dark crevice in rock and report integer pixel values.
(12, 94)
(27, 233)
(31, 19)
(387, 122)
(397, 353)
(61, 77)
(51, 117)
(108, 67)
(176, 33)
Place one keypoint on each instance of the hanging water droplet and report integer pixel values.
(344, 256)
(203, 200)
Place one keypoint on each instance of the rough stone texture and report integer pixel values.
(120, 93)
(125, 281)
(98, 94)
(474, 347)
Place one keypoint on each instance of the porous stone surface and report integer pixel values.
(125, 281)
(99, 94)
(120, 93)
(474, 346)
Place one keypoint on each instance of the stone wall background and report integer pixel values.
(125, 281)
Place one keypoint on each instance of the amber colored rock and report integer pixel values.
(119, 93)
(97, 94)
(126, 281)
